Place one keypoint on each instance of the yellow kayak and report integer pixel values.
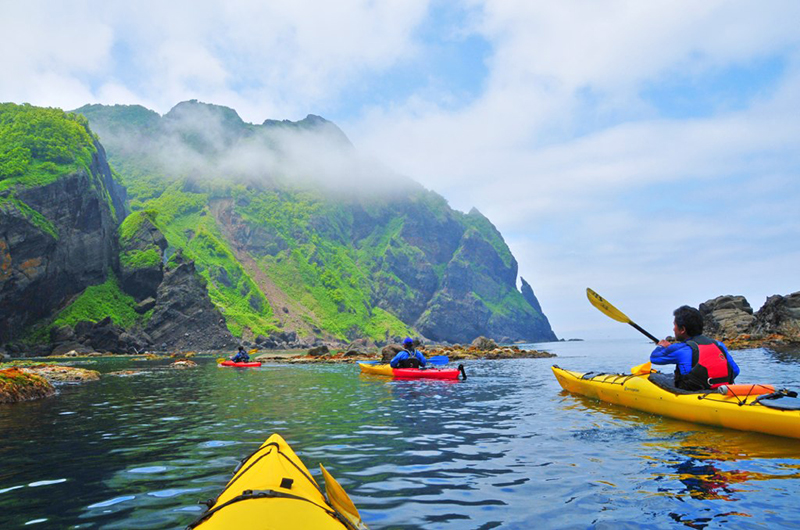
(775, 413)
(272, 489)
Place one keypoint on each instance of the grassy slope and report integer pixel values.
(183, 217)
(93, 305)
(332, 281)
(38, 146)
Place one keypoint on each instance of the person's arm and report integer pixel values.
(397, 358)
(679, 354)
(421, 358)
(734, 366)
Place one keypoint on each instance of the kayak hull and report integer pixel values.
(710, 408)
(280, 494)
(254, 364)
(409, 373)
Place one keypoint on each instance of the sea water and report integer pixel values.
(507, 448)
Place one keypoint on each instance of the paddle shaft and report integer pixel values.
(649, 336)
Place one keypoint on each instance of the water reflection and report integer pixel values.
(712, 469)
(503, 449)
(788, 355)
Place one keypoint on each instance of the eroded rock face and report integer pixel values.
(726, 316)
(46, 260)
(141, 262)
(781, 315)
(731, 318)
(458, 312)
(184, 317)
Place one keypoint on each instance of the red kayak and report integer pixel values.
(412, 373)
(254, 364)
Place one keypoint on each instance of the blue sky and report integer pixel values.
(649, 150)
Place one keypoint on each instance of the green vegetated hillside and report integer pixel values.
(37, 146)
(58, 203)
(292, 232)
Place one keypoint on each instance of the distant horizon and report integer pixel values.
(648, 151)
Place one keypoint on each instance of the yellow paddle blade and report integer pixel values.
(340, 500)
(641, 369)
(221, 360)
(254, 350)
(605, 307)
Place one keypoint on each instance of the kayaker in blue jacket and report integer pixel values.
(241, 356)
(409, 357)
(700, 362)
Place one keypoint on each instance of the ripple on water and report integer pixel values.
(46, 482)
(217, 443)
(505, 448)
(111, 502)
(148, 470)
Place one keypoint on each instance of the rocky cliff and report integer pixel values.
(302, 232)
(730, 318)
(277, 234)
(63, 253)
(58, 216)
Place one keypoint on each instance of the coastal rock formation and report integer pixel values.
(484, 344)
(17, 385)
(56, 240)
(727, 316)
(142, 248)
(731, 319)
(372, 263)
(62, 374)
(779, 315)
(184, 317)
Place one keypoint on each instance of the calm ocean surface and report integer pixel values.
(504, 449)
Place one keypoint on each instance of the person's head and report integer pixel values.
(408, 343)
(241, 348)
(688, 322)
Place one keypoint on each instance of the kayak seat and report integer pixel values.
(667, 382)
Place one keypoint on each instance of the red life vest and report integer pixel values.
(710, 367)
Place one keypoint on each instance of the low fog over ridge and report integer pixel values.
(208, 142)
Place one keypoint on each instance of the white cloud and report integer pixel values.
(590, 182)
(607, 208)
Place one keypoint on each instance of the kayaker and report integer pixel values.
(409, 357)
(700, 363)
(241, 356)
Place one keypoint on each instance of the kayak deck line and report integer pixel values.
(653, 392)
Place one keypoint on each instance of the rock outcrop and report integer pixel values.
(56, 240)
(141, 257)
(731, 319)
(467, 303)
(727, 316)
(17, 385)
(184, 317)
(779, 315)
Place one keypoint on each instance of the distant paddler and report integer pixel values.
(241, 356)
(409, 357)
